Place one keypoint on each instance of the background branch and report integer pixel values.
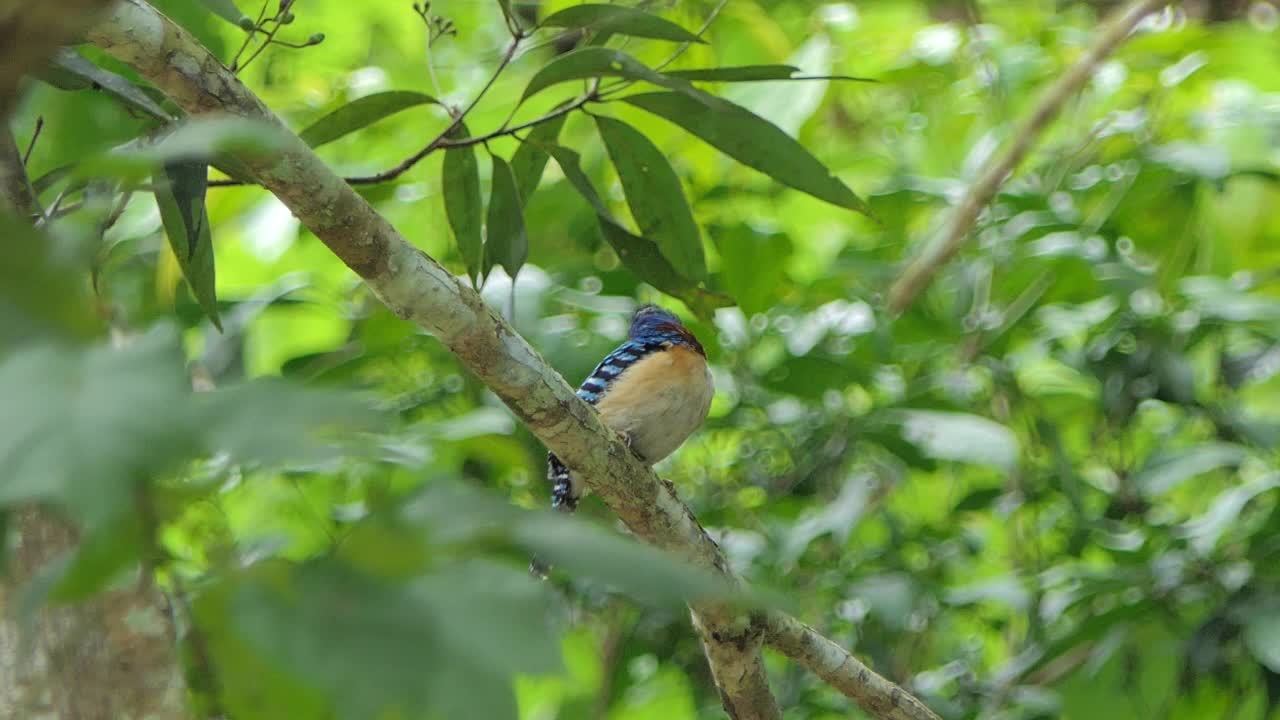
(921, 271)
(418, 289)
(842, 670)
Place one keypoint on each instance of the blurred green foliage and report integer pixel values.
(1047, 490)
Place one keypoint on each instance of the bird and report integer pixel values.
(654, 390)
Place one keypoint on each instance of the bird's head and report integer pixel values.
(652, 320)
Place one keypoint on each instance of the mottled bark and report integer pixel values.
(418, 289)
(15, 188)
(110, 658)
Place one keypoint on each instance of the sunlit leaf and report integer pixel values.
(619, 20)
(1166, 469)
(506, 243)
(180, 194)
(959, 436)
(1221, 299)
(655, 196)
(463, 204)
(361, 113)
(1205, 531)
(752, 141)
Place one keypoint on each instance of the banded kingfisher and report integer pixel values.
(654, 390)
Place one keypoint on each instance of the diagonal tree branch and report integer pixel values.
(921, 270)
(842, 671)
(418, 289)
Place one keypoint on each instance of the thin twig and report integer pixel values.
(248, 37)
(35, 135)
(271, 35)
(440, 143)
(706, 25)
(921, 271)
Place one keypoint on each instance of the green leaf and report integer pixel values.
(959, 437)
(531, 157)
(753, 265)
(506, 243)
(227, 10)
(1166, 469)
(70, 70)
(81, 427)
(361, 113)
(593, 62)
(571, 165)
(248, 685)
(494, 614)
(655, 196)
(375, 647)
(180, 195)
(752, 141)
(620, 20)
(44, 287)
(753, 73)
(978, 500)
(463, 204)
(270, 421)
(195, 139)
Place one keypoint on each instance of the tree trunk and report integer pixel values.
(110, 658)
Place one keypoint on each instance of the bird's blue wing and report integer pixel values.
(615, 363)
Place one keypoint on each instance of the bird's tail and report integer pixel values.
(562, 499)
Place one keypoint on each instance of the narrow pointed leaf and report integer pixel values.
(180, 195)
(531, 159)
(361, 113)
(69, 70)
(506, 242)
(620, 20)
(655, 196)
(592, 62)
(753, 73)
(639, 255)
(754, 142)
(463, 204)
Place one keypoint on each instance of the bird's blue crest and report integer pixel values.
(651, 319)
